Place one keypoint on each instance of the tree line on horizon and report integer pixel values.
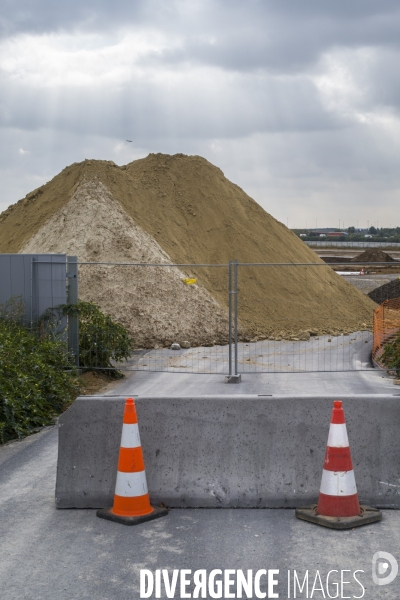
(382, 234)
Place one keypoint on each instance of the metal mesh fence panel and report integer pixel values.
(225, 319)
(282, 318)
(163, 307)
(294, 325)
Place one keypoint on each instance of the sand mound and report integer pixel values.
(388, 291)
(181, 209)
(95, 227)
(373, 255)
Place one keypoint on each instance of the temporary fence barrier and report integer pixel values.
(227, 319)
(163, 307)
(386, 327)
(308, 331)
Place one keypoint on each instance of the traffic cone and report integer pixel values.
(338, 506)
(131, 498)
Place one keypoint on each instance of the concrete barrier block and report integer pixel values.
(228, 451)
(88, 447)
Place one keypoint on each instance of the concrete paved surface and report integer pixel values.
(294, 359)
(323, 353)
(72, 555)
(182, 384)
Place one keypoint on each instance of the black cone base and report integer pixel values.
(106, 513)
(367, 515)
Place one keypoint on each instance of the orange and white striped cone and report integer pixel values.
(338, 492)
(338, 506)
(131, 498)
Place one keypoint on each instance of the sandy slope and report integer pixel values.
(182, 209)
(152, 302)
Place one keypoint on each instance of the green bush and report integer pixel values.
(101, 340)
(34, 385)
(391, 355)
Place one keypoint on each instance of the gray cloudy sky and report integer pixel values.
(297, 101)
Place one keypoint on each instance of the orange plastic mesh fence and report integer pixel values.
(386, 326)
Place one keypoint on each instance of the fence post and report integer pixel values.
(31, 308)
(233, 283)
(238, 377)
(72, 298)
(230, 317)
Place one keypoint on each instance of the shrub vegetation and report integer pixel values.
(391, 355)
(101, 340)
(34, 385)
(37, 378)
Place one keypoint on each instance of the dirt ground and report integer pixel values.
(93, 382)
(352, 255)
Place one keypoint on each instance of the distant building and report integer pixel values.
(327, 233)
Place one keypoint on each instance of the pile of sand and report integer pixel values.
(181, 209)
(373, 255)
(152, 302)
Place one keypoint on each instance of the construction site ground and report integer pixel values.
(376, 276)
(73, 555)
(350, 253)
(370, 281)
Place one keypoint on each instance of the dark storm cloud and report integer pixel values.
(284, 36)
(40, 16)
(239, 35)
(284, 95)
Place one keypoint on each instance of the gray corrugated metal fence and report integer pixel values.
(42, 282)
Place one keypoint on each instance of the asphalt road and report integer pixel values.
(49, 554)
